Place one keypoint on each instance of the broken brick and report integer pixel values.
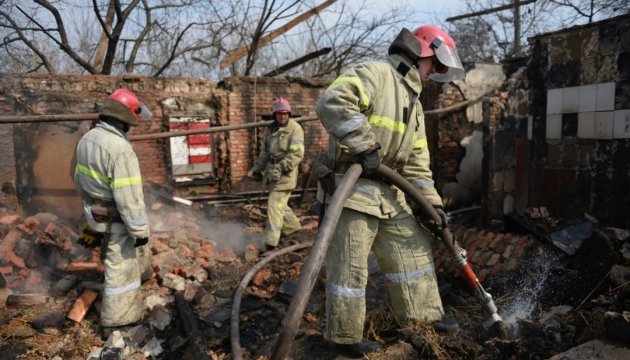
(9, 219)
(84, 267)
(159, 246)
(82, 305)
(31, 222)
(261, 277)
(10, 256)
(205, 251)
(10, 239)
(33, 278)
(184, 252)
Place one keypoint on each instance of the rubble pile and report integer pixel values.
(49, 290)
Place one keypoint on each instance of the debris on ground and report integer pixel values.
(561, 305)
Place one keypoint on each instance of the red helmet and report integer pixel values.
(435, 41)
(124, 105)
(281, 104)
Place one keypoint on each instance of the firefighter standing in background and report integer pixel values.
(281, 153)
(107, 176)
(372, 114)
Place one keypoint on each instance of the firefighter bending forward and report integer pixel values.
(373, 115)
(107, 176)
(281, 152)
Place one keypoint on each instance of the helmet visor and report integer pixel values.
(144, 114)
(454, 70)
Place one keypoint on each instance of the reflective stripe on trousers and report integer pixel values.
(403, 253)
(122, 304)
(280, 218)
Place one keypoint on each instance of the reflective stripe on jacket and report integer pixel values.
(283, 149)
(107, 170)
(378, 102)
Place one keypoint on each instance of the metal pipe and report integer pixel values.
(91, 117)
(213, 129)
(313, 264)
(212, 198)
(16, 119)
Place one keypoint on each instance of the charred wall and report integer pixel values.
(579, 93)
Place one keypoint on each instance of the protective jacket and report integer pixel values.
(377, 102)
(107, 173)
(281, 152)
(356, 115)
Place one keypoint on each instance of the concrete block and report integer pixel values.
(621, 124)
(604, 125)
(588, 98)
(570, 99)
(605, 96)
(554, 126)
(586, 125)
(554, 101)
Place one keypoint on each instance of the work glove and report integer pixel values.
(275, 174)
(254, 174)
(432, 225)
(369, 159)
(141, 241)
(90, 238)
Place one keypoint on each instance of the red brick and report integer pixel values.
(84, 267)
(184, 252)
(487, 239)
(33, 278)
(9, 219)
(261, 277)
(520, 246)
(31, 222)
(508, 251)
(10, 256)
(498, 239)
(82, 305)
(493, 260)
(10, 239)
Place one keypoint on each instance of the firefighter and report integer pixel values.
(372, 114)
(281, 152)
(107, 176)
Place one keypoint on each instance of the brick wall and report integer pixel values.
(233, 101)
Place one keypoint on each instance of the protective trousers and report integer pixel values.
(403, 253)
(122, 304)
(280, 217)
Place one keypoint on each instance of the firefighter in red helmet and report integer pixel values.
(281, 152)
(107, 176)
(372, 114)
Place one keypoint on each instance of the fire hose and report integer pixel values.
(316, 257)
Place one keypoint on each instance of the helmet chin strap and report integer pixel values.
(119, 125)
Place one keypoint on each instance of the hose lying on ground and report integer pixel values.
(237, 354)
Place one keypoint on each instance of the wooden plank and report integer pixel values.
(242, 51)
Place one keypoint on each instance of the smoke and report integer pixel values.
(195, 226)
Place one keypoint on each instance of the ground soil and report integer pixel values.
(264, 307)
